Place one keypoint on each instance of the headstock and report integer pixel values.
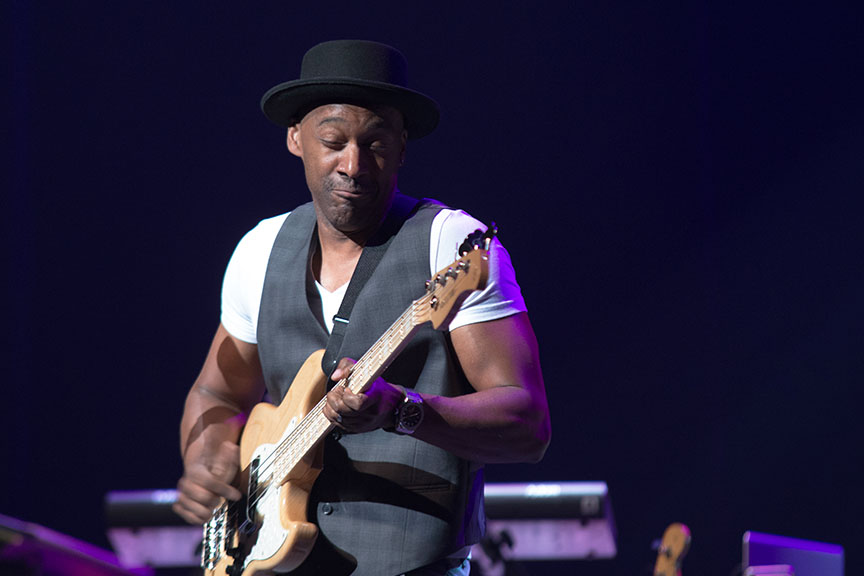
(673, 548)
(478, 239)
(446, 291)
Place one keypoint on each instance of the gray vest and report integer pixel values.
(385, 502)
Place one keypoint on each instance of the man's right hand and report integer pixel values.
(206, 481)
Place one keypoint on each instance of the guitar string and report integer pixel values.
(314, 418)
(401, 325)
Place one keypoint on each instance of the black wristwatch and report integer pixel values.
(409, 414)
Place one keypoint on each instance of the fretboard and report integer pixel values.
(314, 426)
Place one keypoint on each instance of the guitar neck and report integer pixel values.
(372, 364)
(314, 426)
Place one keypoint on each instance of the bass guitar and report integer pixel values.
(673, 548)
(281, 452)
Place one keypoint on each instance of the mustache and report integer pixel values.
(353, 185)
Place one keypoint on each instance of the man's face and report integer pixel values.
(351, 156)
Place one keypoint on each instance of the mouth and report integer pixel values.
(352, 192)
(349, 192)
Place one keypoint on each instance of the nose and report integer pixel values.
(353, 161)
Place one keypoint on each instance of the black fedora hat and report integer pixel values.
(351, 72)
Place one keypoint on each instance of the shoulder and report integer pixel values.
(265, 231)
(449, 230)
(244, 279)
(252, 253)
(453, 220)
(257, 242)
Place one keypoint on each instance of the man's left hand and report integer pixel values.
(363, 412)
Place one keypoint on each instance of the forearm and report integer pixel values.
(506, 419)
(213, 417)
(208, 421)
(229, 385)
(497, 425)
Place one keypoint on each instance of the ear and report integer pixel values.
(404, 147)
(293, 141)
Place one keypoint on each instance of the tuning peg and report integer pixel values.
(491, 232)
(478, 238)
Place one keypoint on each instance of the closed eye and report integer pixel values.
(332, 144)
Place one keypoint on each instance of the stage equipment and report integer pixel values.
(145, 531)
(550, 521)
(544, 521)
(30, 549)
(771, 554)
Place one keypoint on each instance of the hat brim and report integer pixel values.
(287, 103)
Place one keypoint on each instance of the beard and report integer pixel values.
(352, 205)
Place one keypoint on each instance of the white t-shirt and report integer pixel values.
(244, 277)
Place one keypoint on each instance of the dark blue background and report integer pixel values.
(679, 185)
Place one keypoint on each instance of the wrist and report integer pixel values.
(409, 413)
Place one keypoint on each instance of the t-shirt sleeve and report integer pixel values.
(502, 296)
(243, 282)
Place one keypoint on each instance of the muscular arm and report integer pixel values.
(506, 419)
(229, 384)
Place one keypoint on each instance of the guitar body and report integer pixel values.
(283, 537)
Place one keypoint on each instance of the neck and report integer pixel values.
(355, 232)
(333, 262)
(338, 251)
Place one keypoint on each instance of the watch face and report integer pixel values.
(410, 416)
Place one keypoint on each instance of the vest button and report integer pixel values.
(336, 434)
(326, 508)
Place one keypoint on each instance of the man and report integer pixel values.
(401, 485)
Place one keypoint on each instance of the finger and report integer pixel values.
(335, 396)
(226, 462)
(230, 451)
(218, 487)
(354, 402)
(343, 369)
(203, 486)
(334, 417)
(207, 493)
(334, 400)
(192, 512)
(194, 504)
(186, 516)
(332, 408)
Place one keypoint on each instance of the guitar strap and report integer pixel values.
(402, 208)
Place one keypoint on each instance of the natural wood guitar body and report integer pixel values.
(284, 541)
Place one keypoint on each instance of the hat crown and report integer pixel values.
(355, 59)
(358, 72)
